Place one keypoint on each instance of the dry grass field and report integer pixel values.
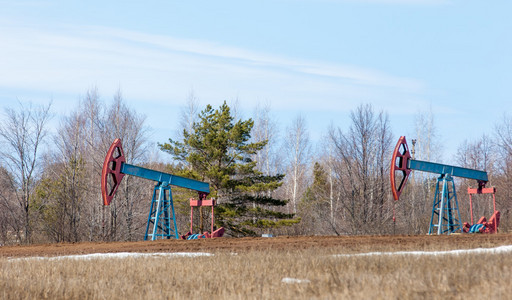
(259, 268)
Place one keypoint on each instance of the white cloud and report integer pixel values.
(385, 2)
(407, 2)
(160, 68)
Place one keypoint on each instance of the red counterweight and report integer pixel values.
(112, 170)
(399, 169)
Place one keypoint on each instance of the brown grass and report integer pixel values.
(258, 274)
(341, 244)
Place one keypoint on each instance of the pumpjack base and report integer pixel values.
(205, 235)
(483, 225)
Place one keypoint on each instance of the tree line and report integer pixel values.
(265, 180)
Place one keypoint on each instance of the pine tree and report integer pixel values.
(218, 150)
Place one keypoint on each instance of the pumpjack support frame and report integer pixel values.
(445, 209)
(162, 219)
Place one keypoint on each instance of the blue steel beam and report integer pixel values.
(165, 177)
(430, 167)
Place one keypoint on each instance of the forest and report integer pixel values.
(266, 179)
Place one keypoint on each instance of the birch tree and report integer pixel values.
(503, 174)
(265, 129)
(124, 123)
(71, 185)
(297, 148)
(22, 132)
(327, 163)
(415, 206)
(189, 112)
(10, 214)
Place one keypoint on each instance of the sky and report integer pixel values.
(316, 58)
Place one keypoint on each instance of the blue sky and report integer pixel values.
(317, 58)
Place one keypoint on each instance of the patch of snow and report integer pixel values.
(119, 255)
(294, 280)
(500, 249)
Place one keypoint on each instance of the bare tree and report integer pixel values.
(10, 214)
(265, 129)
(479, 154)
(189, 113)
(361, 166)
(298, 149)
(503, 136)
(129, 126)
(503, 173)
(102, 125)
(327, 162)
(236, 112)
(69, 188)
(94, 213)
(71, 143)
(22, 132)
(427, 137)
(414, 207)
(81, 144)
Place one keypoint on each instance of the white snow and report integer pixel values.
(500, 249)
(294, 280)
(119, 255)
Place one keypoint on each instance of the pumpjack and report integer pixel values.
(445, 217)
(162, 219)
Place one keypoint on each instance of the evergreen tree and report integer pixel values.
(218, 150)
(314, 205)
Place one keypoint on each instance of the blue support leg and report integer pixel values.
(158, 211)
(445, 209)
(176, 235)
(160, 215)
(151, 213)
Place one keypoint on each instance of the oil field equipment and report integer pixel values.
(200, 204)
(162, 219)
(445, 217)
(483, 225)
